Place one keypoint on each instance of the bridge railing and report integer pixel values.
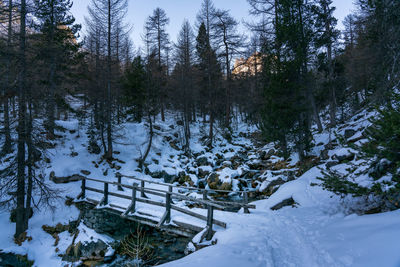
(168, 204)
(205, 192)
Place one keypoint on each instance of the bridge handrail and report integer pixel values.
(168, 204)
(244, 205)
(181, 187)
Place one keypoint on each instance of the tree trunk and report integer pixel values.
(30, 169)
(20, 211)
(109, 122)
(143, 159)
(7, 135)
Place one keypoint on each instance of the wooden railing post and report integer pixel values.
(119, 176)
(205, 195)
(133, 203)
(142, 189)
(105, 200)
(210, 215)
(132, 207)
(82, 195)
(168, 205)
(246, 201)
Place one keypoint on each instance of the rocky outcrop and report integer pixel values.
(66, 179)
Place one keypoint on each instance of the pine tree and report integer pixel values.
(57, 50)
(135, 88)
(326, 37)
(210, 72)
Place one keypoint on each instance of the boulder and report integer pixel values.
(380, 168)
(284, 203)
(213, 181)
(203, 172)
(94, 148)
(330, 164)
(271, 187)
(67, 179)
(202, 161)
(349, 133)
(324, 155)
(343, 155)
(174, 146)
(225, 186)
(11, 259)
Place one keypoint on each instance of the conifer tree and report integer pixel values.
(57, 50)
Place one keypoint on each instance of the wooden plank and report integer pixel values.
(146, 221)
(188, 226)
(210, 215)
(163, 219)
(198, 216)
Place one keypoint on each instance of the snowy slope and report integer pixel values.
(315, 233)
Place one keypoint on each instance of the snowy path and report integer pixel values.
(316, 234)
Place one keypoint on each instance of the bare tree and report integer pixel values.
(183, 76)
(229, 44)
(158, 41)
(108, 16)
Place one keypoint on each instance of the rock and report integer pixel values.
(343, 155)
(225, 186)
(202, 172)
(330, 164)
(213, 181)
(174, 146)
(256, 165)
(94, 148)
(64, 180)
(324, 154)
(201, 184)
(11, 259)
(93, 249)
(180, 123)
(380, 168)
(202, 161)
(272, 186)
(85, 172)
(349, 133)
(158, 128)
(284, 203)
(227, 163)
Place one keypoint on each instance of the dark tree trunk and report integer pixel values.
(143, 159)
(109, 104)
(20, 211)
(7, 135)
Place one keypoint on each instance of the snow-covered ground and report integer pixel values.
(315, 233)
(318, 231)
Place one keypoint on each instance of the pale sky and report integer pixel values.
(178, 10)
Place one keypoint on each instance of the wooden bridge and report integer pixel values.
(166, 209)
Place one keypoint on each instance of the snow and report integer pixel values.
(318, 231)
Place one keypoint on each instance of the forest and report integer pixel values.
(293, 76)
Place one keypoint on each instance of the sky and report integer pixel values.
(179, 10)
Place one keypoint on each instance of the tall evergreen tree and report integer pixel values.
(326, 37)
(58, 47)
(210, 74)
